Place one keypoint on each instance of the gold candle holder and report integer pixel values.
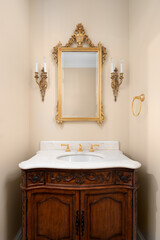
(42, 83)
(115, 84)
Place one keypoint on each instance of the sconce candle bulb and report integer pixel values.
(45, 65)
(36, 65)
(121, 66)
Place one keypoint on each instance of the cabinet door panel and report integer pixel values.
(52, 215)
(109, 214)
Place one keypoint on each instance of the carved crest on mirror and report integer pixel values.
(79, 37)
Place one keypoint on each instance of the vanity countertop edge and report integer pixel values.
(48, 156)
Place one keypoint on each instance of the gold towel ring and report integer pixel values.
(141, 98)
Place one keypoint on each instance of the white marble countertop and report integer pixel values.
(111, 158)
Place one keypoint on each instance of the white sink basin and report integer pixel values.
(81, 158)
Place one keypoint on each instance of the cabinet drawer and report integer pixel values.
(35, 178)
(124, 177)
(80, 177)
(94, 177)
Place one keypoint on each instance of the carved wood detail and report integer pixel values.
(124, 177)
(57, 117)
(107, 177)
(79, 37)
(102, 118)
(79, 178)
(35, 177)
(55, 51)
(104, 53)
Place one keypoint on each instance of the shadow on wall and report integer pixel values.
(147, 206)
(13, 205)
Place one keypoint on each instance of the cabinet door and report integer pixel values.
(51, 215)
(106, 214)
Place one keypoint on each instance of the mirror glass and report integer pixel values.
(79, 78)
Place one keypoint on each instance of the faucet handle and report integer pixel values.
(93, 145)
(80, 149)
(66, 145)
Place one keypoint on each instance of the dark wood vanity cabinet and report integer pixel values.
(95, 204)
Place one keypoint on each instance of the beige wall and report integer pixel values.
(144, 131)
(54, 21)
(14, 110)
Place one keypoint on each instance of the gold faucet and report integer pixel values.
(80, 149)
(93, 145)
(66, 145)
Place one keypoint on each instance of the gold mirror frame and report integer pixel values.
(79, 37)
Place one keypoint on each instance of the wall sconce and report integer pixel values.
(43, 79)
(115, 84)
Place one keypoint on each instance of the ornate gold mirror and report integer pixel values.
(79, 79)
